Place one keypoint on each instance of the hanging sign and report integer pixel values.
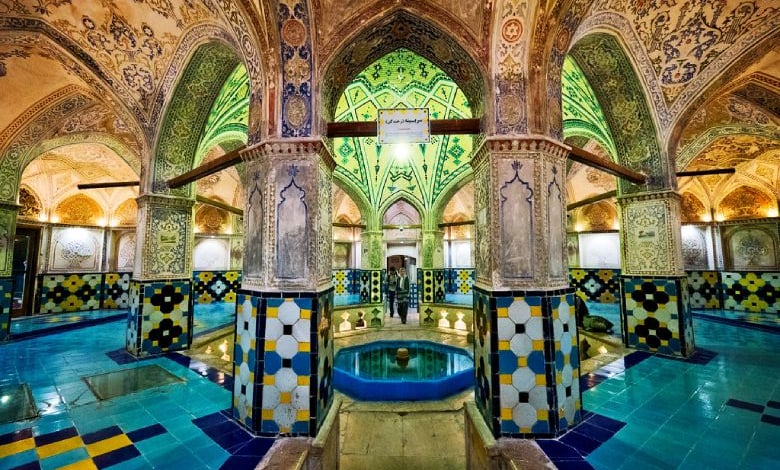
(404, 126)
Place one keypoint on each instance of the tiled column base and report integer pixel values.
(283, 362)
(160, 317)
(657, 315)
(6, 291)
(527, 363)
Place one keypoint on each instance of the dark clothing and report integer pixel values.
(403, 297)
(392, 287)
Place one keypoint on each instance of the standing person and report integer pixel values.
(392, 286)
(403, 294)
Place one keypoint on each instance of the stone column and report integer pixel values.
(432, 248)
(371, 272)
(8, 213)
(526, 347)
(283, 356)
(432, 276)
(160, 318)
(653, 285)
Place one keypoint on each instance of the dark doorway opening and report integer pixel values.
(24, 270)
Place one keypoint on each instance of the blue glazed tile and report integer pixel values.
(116, 456)
(26, 459)
(745, 405)
(101, 434)
(64, 459)
(146, 432)
(15, 436)
(581, 442)
(28, 466)
(557, 450)
(258, 446)
(573, 465)
(55, 436)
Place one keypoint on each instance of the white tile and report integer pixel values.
(289, 312)
(287, 347)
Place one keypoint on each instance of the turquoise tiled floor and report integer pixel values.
(719, 410)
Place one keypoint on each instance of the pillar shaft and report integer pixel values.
(654, 290)
(8, 212)
(526, 347)
(160, 318)
(372, 246)
(283, 356)
(432, 249)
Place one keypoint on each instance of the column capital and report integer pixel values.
(152, 199)
(504, 146)
(648, 196)
(281, 148)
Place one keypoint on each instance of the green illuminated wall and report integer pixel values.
(228, 120)
(402, 79)
(582, 115)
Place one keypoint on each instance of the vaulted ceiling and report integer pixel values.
(76, 76)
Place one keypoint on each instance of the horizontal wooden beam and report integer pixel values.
(591, 200)
(221, 205)
(112, 184)
(218, 164)
(591, 159)
(714, 171)
(438, 127)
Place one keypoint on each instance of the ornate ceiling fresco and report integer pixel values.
(698, 81)
(402, 79)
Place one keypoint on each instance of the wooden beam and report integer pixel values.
(438, 127)
(591, 200)
(586, 158)
(221, 205)
(714, 171)
(225, 161)
(113, 184)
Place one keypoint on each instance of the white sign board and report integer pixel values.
(404, 126)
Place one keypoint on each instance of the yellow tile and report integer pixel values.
(503, 345)
(505, 379)
(268, 415)
(503, 312)
(304, 347)
(272, 312)
(270, 345)
(269, 380)
(87, 464)
(16, 447)
(506, 414)
(540, 379)
(541, 415)
(302, 415)
(59, 447)
(522, 361)
(107, 445)
(285, 398)
(538, 345)
(305, 314)
(303, 380)
(536, 311)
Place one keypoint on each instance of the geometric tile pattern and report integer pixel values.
(485, 356)
(345, 281)
(6, 291)
(283, 360)
(67, 449)
(433, 282)
(370, 285)
(116, 290)
(538, 364)
(751, 291)
(160, 318)
(70, 292)
(704, 289)
(459, 280)
(215, 286)
(598, 285)
(657, 317)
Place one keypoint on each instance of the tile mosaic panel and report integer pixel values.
(355, 318)
(323, 350)
(165, 316)
(132, 344)
(69, 292)
(116, 290)
(370, 282)
(538, 372)
(598, 285)
(6, 291)
(215, 286)
(245, 364)
(655, 318)
(460, 280)
(284, 406)
(751, 291)
(432, 285)
(447, 316)
(485, 358)
(704, 289)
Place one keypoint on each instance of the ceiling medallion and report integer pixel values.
(296, 111)
(512, 30)
(294, 33)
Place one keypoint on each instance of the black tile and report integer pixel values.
(100, 435)
(146, 432)
(55, 436)
(770, 419)
(116, 456)
(16, 436)
(557, 450)
(773, 404)
(745, 405)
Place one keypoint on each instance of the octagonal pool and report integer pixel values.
(402, 371)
